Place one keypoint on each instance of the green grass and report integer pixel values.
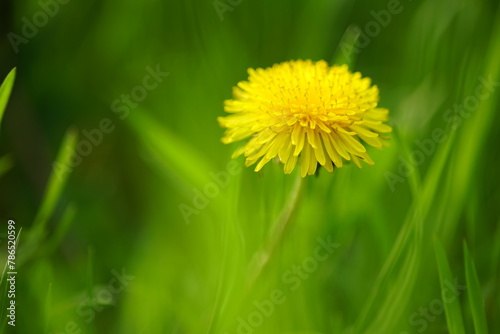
(452, 308)
(5, 89)
(230, 264)
(475, 294)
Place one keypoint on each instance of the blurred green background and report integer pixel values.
(137, 237)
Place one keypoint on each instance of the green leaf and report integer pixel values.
(452, 309)
(475, 296)
(5, 90)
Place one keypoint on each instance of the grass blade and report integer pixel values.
(346, 53)
(475, 295)
(57, 179)
(452, 309)
(61, 229)
(177, 156)
(53, 191)
(5, 90)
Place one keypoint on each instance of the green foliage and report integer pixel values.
(138, 221)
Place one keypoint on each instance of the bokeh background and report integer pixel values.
(124, 239)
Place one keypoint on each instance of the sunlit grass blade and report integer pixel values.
(53, 191)
(262, 257)
(233, 244)
(475, 131)
(495, 253)
(346, 50)
(415, 218)
(5, 90)
(480, 124)
(396, 301)
(57, 179)
(62, 227)
(452, 309)
(475, 295)
(177, 155)
(435, 173)
(414, 179)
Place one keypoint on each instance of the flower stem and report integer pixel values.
(263, 256)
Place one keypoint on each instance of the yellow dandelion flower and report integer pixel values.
(305, 112)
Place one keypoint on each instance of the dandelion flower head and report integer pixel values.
(305, 113)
